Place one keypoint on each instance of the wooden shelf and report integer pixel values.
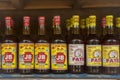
(56, 4)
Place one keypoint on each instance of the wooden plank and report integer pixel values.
(17, 4)
(99, 3)
(76, 4)
(48, 4)
(6, 6)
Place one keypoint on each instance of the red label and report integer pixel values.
(28, 57)
(60, 58)
(26, 21)
(8, 57)
(42, 57)
(57, 20)
(41, 20)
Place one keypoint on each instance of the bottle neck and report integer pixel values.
(9, 31)
(26, 30)
(57, 29)
(76, 29)
(110, 30)
(92, 30)
(41, 30)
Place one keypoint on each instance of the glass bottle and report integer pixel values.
(93, 49)
(26, 49)
(76, 48)
(58, 49)
(110, 49)
(9, 49)
(42, 49)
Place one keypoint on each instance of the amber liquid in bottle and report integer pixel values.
(76, 49)
(110, 43)
(9, 57)
(58, 44)
(25, 60)
(42, 57)
(93, 47)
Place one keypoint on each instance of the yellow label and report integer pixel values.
(92, 21)
(26, 55)
(109, 20)
(59, 56)
(110, 55)
(93, 55)
(42, 56)
(9, 54)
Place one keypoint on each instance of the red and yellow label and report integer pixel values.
(9, 54)
(93, 55)
(110, 55)
(59, 56)
(26, 55)
(42, 56)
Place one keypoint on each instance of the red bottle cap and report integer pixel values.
(26, 21)
(8, 20)
(12, 23)
(103, 22)
(57, 20)
(41, 20)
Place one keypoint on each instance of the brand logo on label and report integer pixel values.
(28, 57)
(42, 57)
(96, 56)
(8, 57)
(78, 55)
(60, 58)
(112, 57)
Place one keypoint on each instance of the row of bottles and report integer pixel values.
(74, 53)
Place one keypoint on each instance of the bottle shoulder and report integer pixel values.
(42, 39)
(93, 39)
(110, 39)
(76, 39)
(9, 39)
(26, 39)
(59, 38)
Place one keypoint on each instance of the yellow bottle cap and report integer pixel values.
(71, 22)
(82, 23)
(87, 22)
(109, 20)
(92, 21)
(76, 20)
(118, 22)
(68, 23)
